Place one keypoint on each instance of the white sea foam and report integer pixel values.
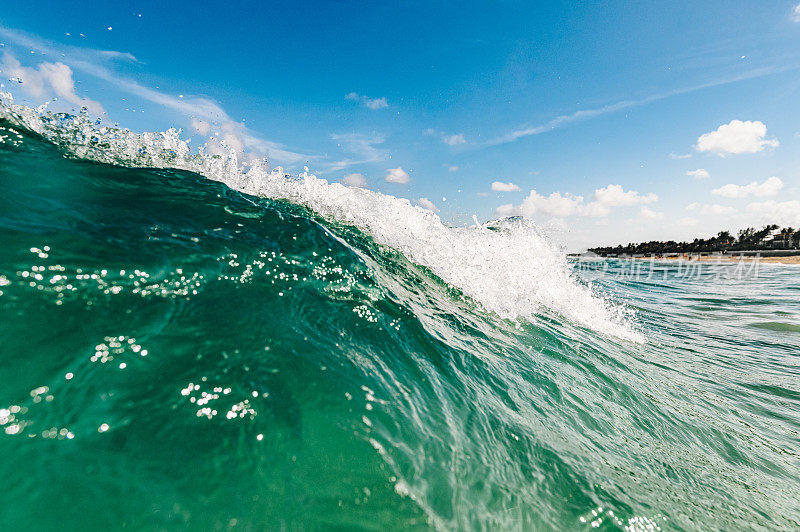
(512, 271)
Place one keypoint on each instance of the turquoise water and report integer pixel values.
(176, 353)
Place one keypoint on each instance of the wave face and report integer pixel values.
(187, 342)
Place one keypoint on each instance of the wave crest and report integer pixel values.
(510, 269)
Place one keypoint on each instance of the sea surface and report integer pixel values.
(191, 342)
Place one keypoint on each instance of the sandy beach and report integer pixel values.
(792, 259)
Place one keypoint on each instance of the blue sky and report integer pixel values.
(586, 118)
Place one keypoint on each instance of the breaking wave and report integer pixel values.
(508, 267)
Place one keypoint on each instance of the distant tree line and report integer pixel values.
(750, 239)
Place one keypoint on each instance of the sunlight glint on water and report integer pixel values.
(174, 352)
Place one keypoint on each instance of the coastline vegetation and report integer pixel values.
(770, 237)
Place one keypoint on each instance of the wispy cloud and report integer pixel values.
(649, 214)
(780, 212)
(363, 147)
(769, 187)
(355, 180)
(96, 63)
(710, 209)
(47, 79)
(369, 103)
(700, 173)
(586, 114)
(454, 139)
(201, 126)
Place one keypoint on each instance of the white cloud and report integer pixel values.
(450, 140)
(565, 205)
(782, 213)
(499, 186)
(362, 146)
(615, 196)
(355, 180)
(677, 156)
(553, 205)
(60, 77)
(710, 210)
(370, 103)
(454, 140)
(769, 187)
(506, 210)
(796, 13)
(201, 126)
(233, 136)
(376, 103)
(30, 78)
(687, 221)
(717, 209)
(56, 76)
(587, 114)
(397, 175)
(595, 209)
(698, 174)
(427, 204)
(736, 137)
(648, 214)
(94, 63)
(453, 168)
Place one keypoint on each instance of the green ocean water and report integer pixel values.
(175, 354)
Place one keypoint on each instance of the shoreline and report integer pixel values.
(780, 259)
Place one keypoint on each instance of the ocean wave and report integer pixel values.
(193, 356)
(510, 269)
